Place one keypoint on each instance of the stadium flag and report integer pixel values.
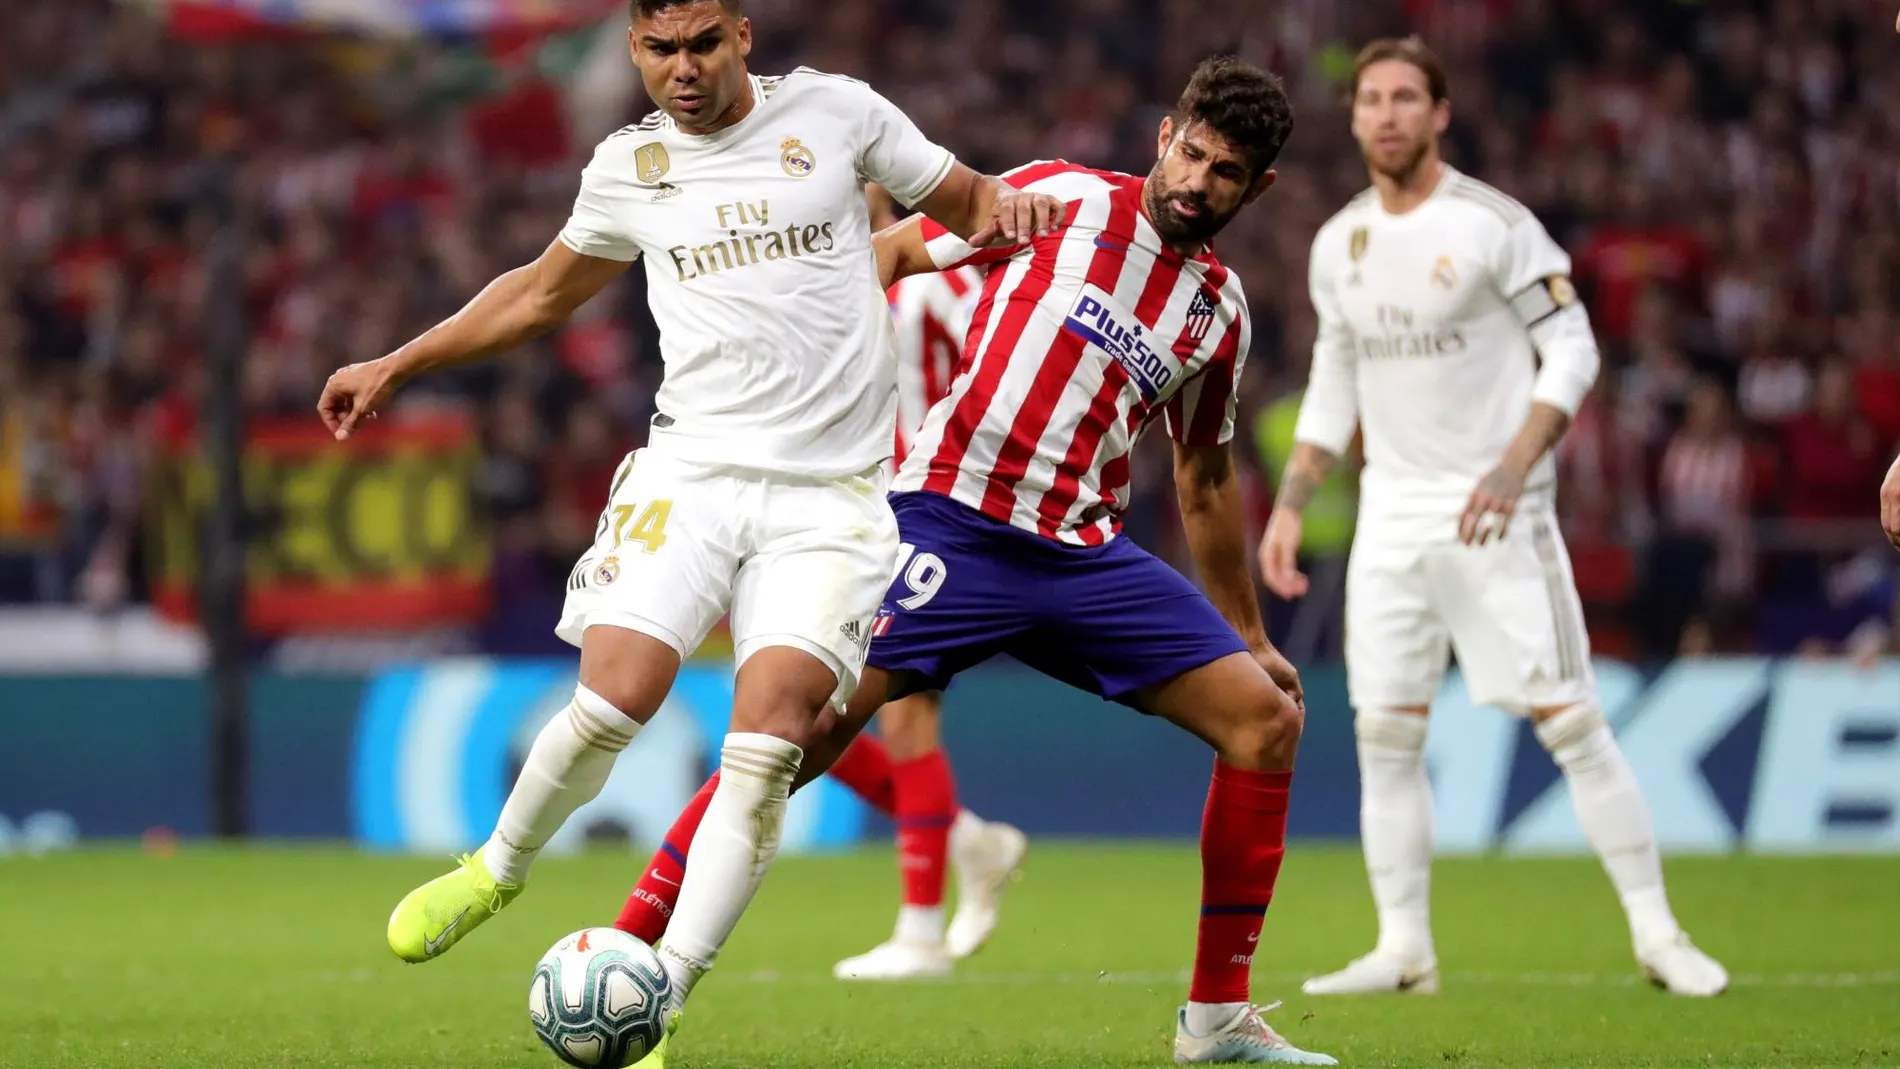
(381, 533)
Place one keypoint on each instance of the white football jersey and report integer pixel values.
(1432, 326)
(775, 334)
(932, 314)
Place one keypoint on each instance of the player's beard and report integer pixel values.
(1175, 227)
(1407, 167)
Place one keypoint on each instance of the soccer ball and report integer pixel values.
(599, 999)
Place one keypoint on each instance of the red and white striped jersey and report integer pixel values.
(932, 314)
(1079, 340)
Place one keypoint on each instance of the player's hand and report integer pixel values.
(1282, 672)
(354, 394)
(1492, 504)
(1890, 504)
(1280, 555)
(1019, 217)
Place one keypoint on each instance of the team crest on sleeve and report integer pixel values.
(651, 162)
(1200, 316)
(796, 158)
(607, 571)
(1562, 293)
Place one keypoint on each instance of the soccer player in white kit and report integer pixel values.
(906, 775)
(762, 488)
(1451, 335)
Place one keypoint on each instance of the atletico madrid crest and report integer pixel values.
(1200, 316)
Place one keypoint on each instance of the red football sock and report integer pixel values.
(1243, 841)
(865, 767)
(926, 807)
(650, 905)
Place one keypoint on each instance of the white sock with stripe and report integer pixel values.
(565, 770)
(735, 845)
(1614, 816)
(1395, 824)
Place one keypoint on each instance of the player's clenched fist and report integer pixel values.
(354, 393)
(1019, 217)
(1890, 504)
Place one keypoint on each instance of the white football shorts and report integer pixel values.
(796, 561)
(1509, 609)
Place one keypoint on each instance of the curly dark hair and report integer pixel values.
(1242, 103)
(637, 8)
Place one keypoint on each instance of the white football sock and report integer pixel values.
(1395, 824)
(1206, 1018)
(565, 770)
(1614, 816)
(919, 924)
(735, 845)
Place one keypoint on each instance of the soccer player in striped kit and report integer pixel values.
(1451, 336)
(1009, 504)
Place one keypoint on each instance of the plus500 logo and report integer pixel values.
(1094, 321)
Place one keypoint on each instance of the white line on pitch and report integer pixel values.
(1886, 978)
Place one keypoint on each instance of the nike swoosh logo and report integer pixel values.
(430, 946)
(656, 875)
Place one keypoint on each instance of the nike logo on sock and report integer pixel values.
(656, 875)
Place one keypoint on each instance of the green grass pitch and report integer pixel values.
(275, 957)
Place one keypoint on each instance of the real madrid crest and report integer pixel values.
(1359, 238)
(796, 158)
(607, 571)
(1444, 275)
(651, 162)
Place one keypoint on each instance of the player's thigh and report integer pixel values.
(1397, 644)
(662, 566)
(912, 726)
(1233, 706)
(1515, 618)
(820, 562)
(964, 586)
(1115, 620)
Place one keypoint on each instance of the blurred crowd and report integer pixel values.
(1726, 176)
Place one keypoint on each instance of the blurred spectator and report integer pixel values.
(1727, 177)
(1833, 454)
(1703, 499)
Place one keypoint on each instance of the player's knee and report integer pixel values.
(788, 716)
(1267, 733)
(1390, 729)
(628, 670)
(1575, 732)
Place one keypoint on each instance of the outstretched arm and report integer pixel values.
(516, 307)
(981, 209)
(1212, 516)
